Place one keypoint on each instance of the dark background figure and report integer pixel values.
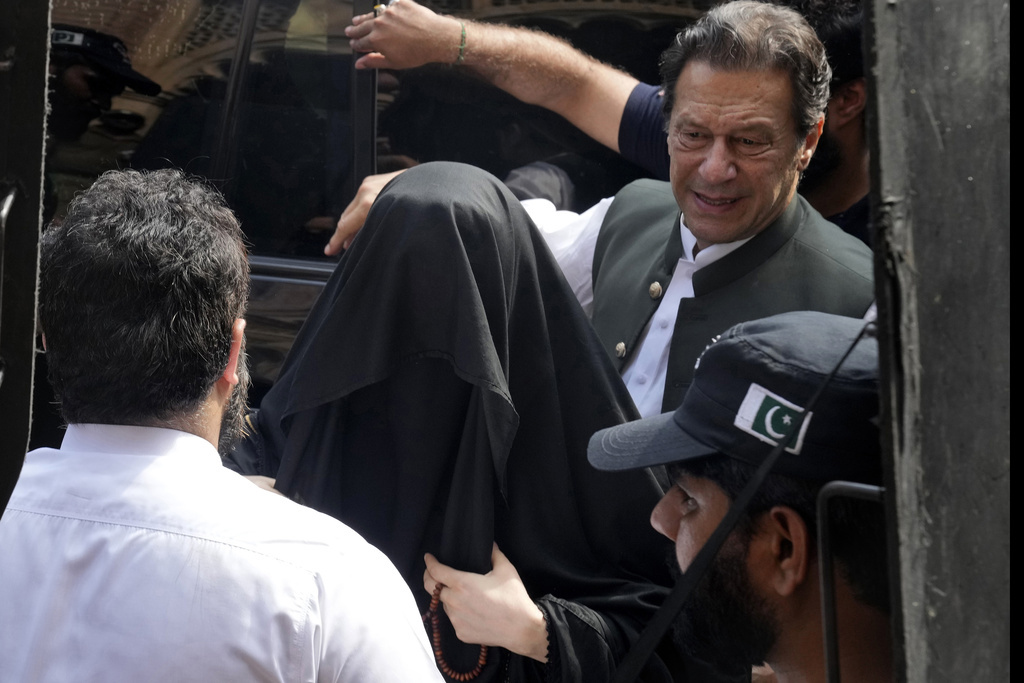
(87, 69)
(836, 182)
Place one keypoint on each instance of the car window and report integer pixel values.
(254, 96)
(441, 112)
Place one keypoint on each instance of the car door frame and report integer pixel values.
(24, 54)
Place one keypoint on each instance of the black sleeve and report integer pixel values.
(642, 131)
(583, 646)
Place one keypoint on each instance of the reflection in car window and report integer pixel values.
(285, 163)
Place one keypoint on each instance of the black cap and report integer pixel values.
(104, 51)
(750, 386)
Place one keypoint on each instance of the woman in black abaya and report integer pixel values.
(440, 398)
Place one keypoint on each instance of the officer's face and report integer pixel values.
(689, 513)
(735, 152)
(725, 621)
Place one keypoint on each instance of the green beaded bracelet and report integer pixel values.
(462, 45)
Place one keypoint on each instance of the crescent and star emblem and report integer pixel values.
(768, 422)
(757, 416)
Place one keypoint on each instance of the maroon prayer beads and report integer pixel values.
(435, 632)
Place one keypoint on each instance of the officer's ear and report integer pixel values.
(783, 551)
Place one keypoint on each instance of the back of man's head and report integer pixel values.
(755, 36)
(139, 287)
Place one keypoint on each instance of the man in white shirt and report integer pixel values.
(131, 554)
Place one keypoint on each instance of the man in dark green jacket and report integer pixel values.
(665, 267)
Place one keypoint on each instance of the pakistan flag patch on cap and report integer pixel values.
(769, 417)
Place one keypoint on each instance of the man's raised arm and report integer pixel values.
(533, 66)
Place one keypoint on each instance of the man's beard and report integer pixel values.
(233, 422)
(725, 622)
(827, 158)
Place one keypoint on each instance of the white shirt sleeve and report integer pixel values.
(572, 239)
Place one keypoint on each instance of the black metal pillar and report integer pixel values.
(24, 32)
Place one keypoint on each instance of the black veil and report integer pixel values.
(441, 396)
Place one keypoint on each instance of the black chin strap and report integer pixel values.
(641, 651)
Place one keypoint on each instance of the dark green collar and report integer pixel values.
(674, 248)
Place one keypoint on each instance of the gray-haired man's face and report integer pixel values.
(734, 149)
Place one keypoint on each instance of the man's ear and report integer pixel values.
(847, 103)
(810, 144)
(789, 548)
(231, 369)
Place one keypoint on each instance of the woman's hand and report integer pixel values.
(490, 609)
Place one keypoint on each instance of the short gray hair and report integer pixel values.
(755, 36)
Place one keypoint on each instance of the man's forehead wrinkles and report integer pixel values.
(762, 110)
(725, 100)
(727, 122)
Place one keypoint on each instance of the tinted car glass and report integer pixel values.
(255, 96)
(438, 112)
(259, 97)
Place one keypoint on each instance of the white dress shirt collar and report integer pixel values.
(135, 440)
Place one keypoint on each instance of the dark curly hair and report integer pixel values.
(138, 289)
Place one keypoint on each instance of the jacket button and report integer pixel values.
(655, 290)
(620, 349)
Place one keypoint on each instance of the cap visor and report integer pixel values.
(653, 441)
(124, 74)
(142, 85)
